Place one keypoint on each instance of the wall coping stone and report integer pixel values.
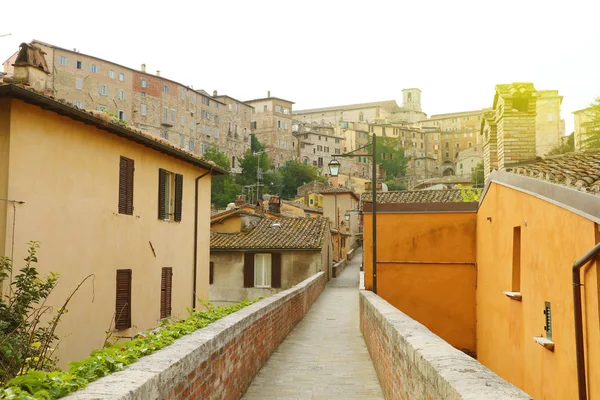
(143, 379)
(453, 373)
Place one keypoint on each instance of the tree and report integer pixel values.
(255, 145)
(561, 148)
(591, 137)
(223, 187)
(296, 173)
(478, 179)
(390, 157)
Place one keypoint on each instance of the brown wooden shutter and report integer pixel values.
(123, 303)
(276, 270)
(211, 273)
(178, 196)
(166, 288)
(126, 168)
(162, 190)
(248, 269)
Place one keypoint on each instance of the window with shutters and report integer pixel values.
(166, 288)
(123, 303)
(170, 194)
(262, 270)
(126, 168)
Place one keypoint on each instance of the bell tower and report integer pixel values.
(411, 99)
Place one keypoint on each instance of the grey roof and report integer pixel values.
(415, 196)
(390, 104)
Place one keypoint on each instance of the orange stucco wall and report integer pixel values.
(67, 174)
(552, 238)
(411, 250)
(231, 224)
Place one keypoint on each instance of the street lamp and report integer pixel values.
(347, 216)
(334, 168)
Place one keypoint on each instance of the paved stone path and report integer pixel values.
(325, 356)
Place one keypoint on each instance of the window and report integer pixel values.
(549, 117)
(211, 273)
(166, 287)
(516, 260)
(193, 98)
(360, 116)
(111, 74)
(182, 121)
(279, 124)
(192, 123)
(93, 68)
(122, 77)
(233, 162)
(143, 109)
(181, 141)
(79, 64)
(286, 111)
(78, 103)
(143, 83)
(216, 132)
(103, 90)
(191, 145)
(265, 108)
(173, 115)
(126, 168)
(165, 89)
(217, 119)
(278, 109)
(78, 83)
(205, 101)
(62, 60)
(121, 115)
(164, 135)
(182, 95)
(170, 188)
(122, 94)
(101, 108)
(123, 300)
(262, 270)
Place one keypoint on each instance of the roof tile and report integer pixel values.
(415, 196)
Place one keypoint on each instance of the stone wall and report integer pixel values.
(413, 363)
(218, 361)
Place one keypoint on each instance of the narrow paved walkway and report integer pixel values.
(325, 356)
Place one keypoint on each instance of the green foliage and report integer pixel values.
(591, 128)
(296, 173)
(393, 185)
(478, 178)
(25, 342)
(468, 195)
(223, 187)
(390, 156)
(562, 148)
(255, 145)
(249, 163)
(100, 363)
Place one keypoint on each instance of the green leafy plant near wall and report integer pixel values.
(31, 383)
(468, 195)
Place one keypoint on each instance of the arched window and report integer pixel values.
(409, 97)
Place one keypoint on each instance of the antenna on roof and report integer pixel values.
(6, 34)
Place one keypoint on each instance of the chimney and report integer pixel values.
(214, 93)
(275, 204)
(157, 73)
(269, 93)
(240, 200)
(143, 67)
(515, 114)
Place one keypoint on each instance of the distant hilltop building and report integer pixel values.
(189, 118)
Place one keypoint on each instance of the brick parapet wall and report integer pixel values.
(218, 361)
(413, 363)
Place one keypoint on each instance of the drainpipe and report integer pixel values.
(196, 238)
(581, 381)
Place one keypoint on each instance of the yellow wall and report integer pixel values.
(4, 145)
(440, 296)
(231, 224)
(67, 174)
(552, 238)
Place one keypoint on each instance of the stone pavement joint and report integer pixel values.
(325, 356)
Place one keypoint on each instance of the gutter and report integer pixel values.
(196, 237)
(580, 351)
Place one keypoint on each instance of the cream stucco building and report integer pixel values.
(106, 200)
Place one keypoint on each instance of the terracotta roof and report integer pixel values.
(302, 206)
(282, 234)
(231, 213)
(577, 170)
(333, 189)
(104, 122)
(415, 196)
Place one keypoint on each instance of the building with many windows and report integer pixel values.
(187, 117)
(318, 145)
(272, 126)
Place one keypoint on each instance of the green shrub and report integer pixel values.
(100, 363)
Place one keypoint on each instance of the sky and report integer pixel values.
(329, 52)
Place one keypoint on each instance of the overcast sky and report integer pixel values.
(324, 53)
